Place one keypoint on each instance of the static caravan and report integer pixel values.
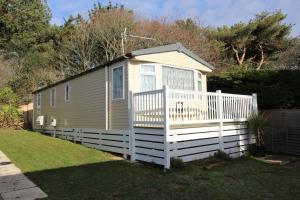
(150, 104)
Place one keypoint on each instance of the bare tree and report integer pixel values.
(77, 51)
(107, 28)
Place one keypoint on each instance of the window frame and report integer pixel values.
(39, 100)
(123, 83)
(54, 93)
(69, 90)
(141, 73)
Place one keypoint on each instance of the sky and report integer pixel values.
(210, 12)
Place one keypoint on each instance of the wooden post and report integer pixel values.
(167, 158)
(220, 117)
(131, 131)
(254, 103)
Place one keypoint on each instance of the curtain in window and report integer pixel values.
(148, 78)
(199, 82)
(180, 79)
(118, 83)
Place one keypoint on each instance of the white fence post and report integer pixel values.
(254, 103)
(166, 128)
(131, 131)
(220, 116)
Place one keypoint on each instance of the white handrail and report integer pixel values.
(188, 107)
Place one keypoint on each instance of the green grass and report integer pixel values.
(69, 171)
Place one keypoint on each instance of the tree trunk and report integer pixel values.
(240, 59)
(261, 62)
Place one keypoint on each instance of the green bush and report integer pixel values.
(177, 163)
(257, 124)
(274, 88)
(10, 117)
(7, 96)
(221, 155)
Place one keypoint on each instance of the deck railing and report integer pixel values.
(190, 107)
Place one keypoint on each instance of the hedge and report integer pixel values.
(275, 88)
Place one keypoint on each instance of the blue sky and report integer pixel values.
(209, 12)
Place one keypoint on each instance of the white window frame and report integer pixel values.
(39, 100)
(149, 74)
(123, 86)
(54, 103)
(69, 89)
(184, 68)
(199, 80)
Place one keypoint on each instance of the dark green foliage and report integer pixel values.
(22, 24)
(274, 88)
(177, 163)
(221, 155)
(260, 40)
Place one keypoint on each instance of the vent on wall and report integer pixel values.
(40, 120)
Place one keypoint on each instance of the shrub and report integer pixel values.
(257, 123)
(222, 155)
(10, 117)
(177, 163)
(274, 88)
(7, 96)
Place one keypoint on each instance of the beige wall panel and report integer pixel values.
(86, 108)
(174, 58)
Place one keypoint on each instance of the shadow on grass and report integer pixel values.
(121, 179)
(105, 180)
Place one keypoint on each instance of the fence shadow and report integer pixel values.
(105, 180)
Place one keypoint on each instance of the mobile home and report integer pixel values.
(150, 104)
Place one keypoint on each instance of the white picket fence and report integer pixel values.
(116, 141)
(149, 108)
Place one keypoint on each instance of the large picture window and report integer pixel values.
(53, 97)
(118, 83)
(148, 78)
(179, 79)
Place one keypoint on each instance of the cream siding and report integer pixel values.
(118, 109)
(173, 58)
(86, 108)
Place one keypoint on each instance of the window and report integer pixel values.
(179, 79)
(118, 83)
(199, 82)
(148, 78)
(67, 92)
(39, 100)
(52, 97)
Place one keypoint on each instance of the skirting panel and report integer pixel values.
(116, 141)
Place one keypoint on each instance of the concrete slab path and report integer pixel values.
(15, 185)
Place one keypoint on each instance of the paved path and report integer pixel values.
(15, 185)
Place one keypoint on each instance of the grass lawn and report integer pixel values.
(69, 171)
